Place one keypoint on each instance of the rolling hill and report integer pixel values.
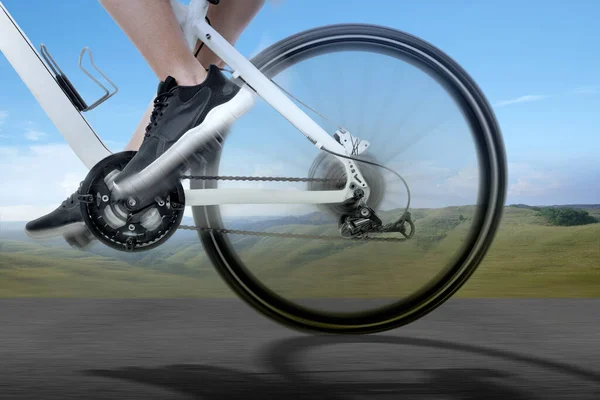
(529, 258)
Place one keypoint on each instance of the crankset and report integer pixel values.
(126, 225)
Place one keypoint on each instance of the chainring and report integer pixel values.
(334, 177)
(120, 225)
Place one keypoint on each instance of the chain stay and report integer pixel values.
(394, 227)
(259, 178)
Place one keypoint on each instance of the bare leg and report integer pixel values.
(152, 27)
(138, 135)
(229, 18)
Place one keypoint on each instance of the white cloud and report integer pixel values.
(523, 99)
(25, 212)
(70, 183)
(586, 90)
(33, 135)
(421, 170)
(536, 97)
(431, 184)
(6, 152)
(459, 187)
(529, 181)
(466, 179)
(36, 179)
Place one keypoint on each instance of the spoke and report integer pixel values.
(366, 79)
(414, 139)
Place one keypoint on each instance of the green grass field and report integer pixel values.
(529, 258)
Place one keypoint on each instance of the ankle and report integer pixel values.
(189, 77)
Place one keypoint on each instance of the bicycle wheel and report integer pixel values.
(465, 247)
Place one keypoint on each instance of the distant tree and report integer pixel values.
(524, 206)
(461, 218)
(566, 216)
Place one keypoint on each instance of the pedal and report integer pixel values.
(67, 87)
(80, 240)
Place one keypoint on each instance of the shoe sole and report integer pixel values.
(73, 229)
(217, 122)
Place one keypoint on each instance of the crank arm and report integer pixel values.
(135, 217)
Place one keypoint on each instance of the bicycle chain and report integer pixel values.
(274, 234)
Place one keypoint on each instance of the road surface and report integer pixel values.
(222, 349)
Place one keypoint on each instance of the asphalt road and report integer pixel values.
(209, 349)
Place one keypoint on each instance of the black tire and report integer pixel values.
(492, 190)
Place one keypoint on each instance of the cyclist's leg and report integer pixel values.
(230, 18)
(185, 97)
(154, 30)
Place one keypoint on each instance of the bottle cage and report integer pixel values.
(66, 85)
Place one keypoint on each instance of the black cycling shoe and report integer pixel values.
(177, 110)
(66, 220)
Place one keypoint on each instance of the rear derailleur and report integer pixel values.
(363, 220)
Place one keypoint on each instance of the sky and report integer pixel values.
(537, 62)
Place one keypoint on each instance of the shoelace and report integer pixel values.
(160, 103)
(70, 199)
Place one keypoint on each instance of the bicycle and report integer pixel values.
(345, 189)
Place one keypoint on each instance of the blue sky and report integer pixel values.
(536, 61)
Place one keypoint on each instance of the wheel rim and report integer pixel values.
(431, 295)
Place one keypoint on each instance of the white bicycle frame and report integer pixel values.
(90, 149)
